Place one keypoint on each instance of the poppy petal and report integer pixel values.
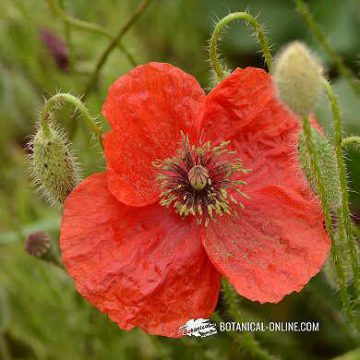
(147, 109)
(245, 102)
(244, 109)
(144, 267)
(272, 247)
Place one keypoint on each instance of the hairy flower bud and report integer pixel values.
(38, 244)
(53, 166)
(327, 163)
(298, 78)
(329, 268)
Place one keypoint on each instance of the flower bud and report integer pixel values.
(329, 268)
(53, 166)
(327, 163)
(56, 48)
(298, 78)
(38, 244)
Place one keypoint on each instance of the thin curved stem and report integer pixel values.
(58, 99)
(88, 26)
(344, 210)
(248, 342)
(351, 140)
(123, 30)
(308, 18)
(314, 164)
(219, 69)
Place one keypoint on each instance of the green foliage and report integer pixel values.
(41, 314)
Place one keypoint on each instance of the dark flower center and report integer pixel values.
(200, 180)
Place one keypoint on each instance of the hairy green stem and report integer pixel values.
(219, 69)
(123, 30)
(344, 210)
(314, 165)
(248, 342)
(308, 18)
(351, 140)
(84, 25)
(55, 101)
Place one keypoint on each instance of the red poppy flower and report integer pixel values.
(148, 240)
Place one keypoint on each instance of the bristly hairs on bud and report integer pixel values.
(344, 211)
(298, 78)
(327, 164)
(54, 168)
(328, 168)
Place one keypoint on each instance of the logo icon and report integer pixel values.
(198, 328)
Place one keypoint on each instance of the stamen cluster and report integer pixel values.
(201, 180)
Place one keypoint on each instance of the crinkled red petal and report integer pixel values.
(144, 267)
(277, 243)
(244, 109)
(273, 247)
(147, 108)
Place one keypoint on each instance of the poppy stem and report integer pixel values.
(248, 342)
(88, 26)
(55, 102)
(338, 261)
(344, 211)
(308, 18)
(220, 69)
(115, 40)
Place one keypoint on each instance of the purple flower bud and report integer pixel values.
(56, 47)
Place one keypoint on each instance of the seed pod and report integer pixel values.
(298, 78)
(53, 166)
(198, 177)
(327, 163)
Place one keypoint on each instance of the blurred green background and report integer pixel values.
(41, 315)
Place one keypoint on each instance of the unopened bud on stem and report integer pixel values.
(38, 244)
(327, 163)
(298, 78)
(53, 166)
